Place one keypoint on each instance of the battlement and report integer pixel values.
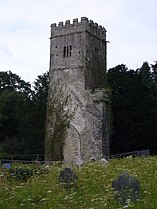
(84, 25)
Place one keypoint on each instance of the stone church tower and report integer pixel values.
(78, 61)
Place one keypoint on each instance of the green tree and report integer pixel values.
(133, 109)
(154, 69)
(12, 82)
(39, 102)
(15, 93)
(154, 79)
(22, 114)
(13, 110)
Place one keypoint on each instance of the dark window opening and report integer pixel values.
(70, 48)
(67, 51)
(64, 51)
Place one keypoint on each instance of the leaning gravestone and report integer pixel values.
(68, 178)
(127, 188)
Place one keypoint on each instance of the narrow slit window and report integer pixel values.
(67, 51)
(64, 51)
(70, 48)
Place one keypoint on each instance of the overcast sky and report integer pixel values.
(25, 30)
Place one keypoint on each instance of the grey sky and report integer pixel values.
(24, 31)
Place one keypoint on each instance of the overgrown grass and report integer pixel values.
(94, 190)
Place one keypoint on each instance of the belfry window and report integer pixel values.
(67, 51)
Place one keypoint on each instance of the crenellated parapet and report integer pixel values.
(85, 25)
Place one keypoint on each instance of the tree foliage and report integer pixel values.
(22, 114)
(12, 82)
(134, 109)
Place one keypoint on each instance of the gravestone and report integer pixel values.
(68, 178)
(127, 188)
(104, 161)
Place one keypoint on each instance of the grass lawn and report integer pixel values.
(94, 186)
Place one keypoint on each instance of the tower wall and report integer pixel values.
(78, 62)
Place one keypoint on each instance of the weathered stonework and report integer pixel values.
(78, 62)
